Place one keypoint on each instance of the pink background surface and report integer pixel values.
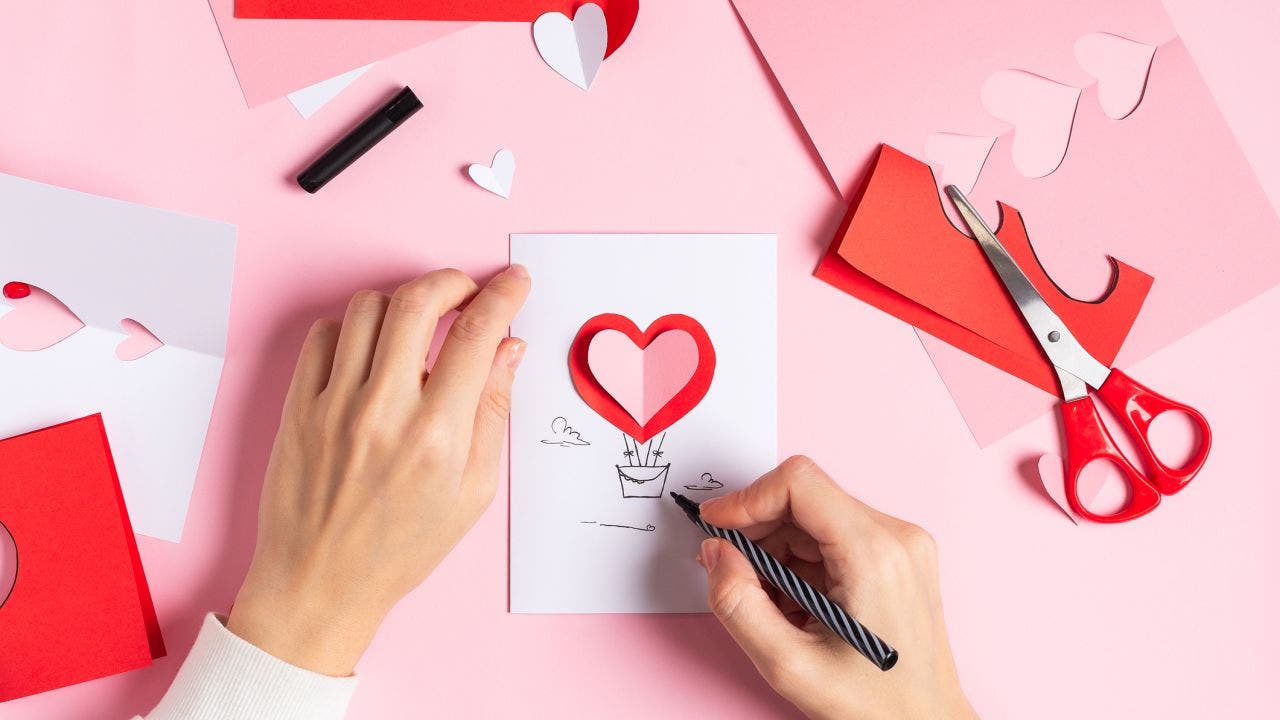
(682, 131)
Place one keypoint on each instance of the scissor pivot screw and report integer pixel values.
(1055, 336)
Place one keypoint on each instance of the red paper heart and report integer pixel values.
(599, 399)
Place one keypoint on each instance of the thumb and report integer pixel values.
(742, 606)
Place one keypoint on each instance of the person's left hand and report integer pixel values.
(378, 467)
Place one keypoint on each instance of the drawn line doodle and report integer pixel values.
(708, 483)
(646, 528)
(563, 434)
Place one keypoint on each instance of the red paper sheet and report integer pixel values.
(80, 608)
(897, 251)
(620, 14)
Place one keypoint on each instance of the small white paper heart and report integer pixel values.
(496, 178)
(574, 48)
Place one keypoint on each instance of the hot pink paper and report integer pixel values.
(1151, 188)
(275, 57)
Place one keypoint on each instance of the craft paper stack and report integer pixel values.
(79, 607)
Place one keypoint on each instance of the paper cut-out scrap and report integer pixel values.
(37, 320)
(498, 176)
(80, 608)
(1050, 469)
(138, 342)
(897, 251)
(8, 563)
(573, 48)
(598, 397)
(170, 273)
(621, 13)
(959, 157)
(1041, 112)
(310, 99)
(1120, 66)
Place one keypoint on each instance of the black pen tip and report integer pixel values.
(685, 503)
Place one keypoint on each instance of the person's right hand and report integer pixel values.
(882, 570)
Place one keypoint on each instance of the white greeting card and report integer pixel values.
(593, 528)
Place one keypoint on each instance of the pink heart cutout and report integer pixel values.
(138, 341)
(1121, 67)
(642, 381)
(37, 320)
(1041, 112)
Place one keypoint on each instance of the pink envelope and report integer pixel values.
(1167, 188)
(275, 57)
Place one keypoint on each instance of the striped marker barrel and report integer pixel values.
(815, 603)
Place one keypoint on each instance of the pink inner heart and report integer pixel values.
(139, 341)
(642, 381)
(1041, 112)
(36, 322)
(1121, 67)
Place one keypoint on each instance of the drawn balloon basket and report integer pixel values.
(643, 481)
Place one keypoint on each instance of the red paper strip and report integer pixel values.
(80, 608)
(897, 251)
(599, 399)
(620, 14)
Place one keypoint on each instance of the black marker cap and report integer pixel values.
(360, 140)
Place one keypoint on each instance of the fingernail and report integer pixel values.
(518, 270)
(711, 502)
(516, 353)
(710, 554)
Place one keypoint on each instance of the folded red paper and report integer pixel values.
(897, 250)
(80, 607)
(620, 14)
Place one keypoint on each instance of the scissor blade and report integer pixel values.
(1059, 345)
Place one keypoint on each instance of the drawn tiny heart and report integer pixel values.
(573, 48)
(674, 378)
(498, 176)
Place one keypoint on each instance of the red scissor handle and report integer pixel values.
(1088, 440)
(1136, 406)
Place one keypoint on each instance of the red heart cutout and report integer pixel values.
(599, 399)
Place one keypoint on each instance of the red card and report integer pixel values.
(620, 14)
(80, 607)
(897, 251)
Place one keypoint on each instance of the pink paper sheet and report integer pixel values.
(275, 57)
(1167, 188)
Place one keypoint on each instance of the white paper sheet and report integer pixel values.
(310, 99)
(108, 260)
(565, 556)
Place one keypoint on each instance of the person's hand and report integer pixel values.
(882, 570)
(379, 467)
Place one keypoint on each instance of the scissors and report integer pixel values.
(1135, 405)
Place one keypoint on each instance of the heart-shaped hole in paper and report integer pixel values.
(138, 341)
(642, 381)
(37, 320)
(8, 564)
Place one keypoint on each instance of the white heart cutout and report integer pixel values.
(497, 177)
(573, 48)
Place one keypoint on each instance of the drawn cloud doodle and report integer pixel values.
(563, 434)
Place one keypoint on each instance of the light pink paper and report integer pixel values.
(1166, 189)
(275, 57)
(642, 381)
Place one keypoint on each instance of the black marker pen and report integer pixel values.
(360, 140)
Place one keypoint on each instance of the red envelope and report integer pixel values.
(80, 607)
(620, 14)
(897, 251)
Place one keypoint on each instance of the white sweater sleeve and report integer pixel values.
(225, 676)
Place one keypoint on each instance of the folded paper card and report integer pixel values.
(593, 451)
(1146, 184)
(79, 607)
(107, 262)
(897, 250)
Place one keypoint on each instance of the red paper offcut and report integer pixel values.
(599, 399)
(80, 607)
(620, 15)
(897, 251)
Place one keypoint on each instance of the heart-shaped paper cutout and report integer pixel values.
(599, 399)
(573, 48)
(642, 381)
(138, 341)
(498, 177)
(1049, 467)
(1121, 67)
(1041, 112)
(37, 319)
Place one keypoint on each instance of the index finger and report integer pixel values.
(796, 491)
